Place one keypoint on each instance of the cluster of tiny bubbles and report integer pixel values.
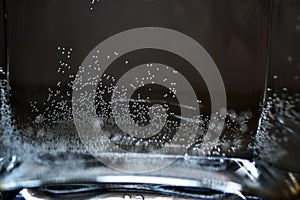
(279, 123)
(157, 111)
(66, 54)
(231, 141)
(52, 129)
(1, 70)
(12, 143)
(53, 122)
(93, 3)
(236, 128)
(56, 108)
(6, 126)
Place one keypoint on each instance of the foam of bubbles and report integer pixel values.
(279, 126)
(52, 130)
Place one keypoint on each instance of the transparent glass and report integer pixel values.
(278, 134)
(138, 99)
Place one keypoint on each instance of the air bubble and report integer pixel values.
(297, 27)
(39, 119)
(290, 59)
